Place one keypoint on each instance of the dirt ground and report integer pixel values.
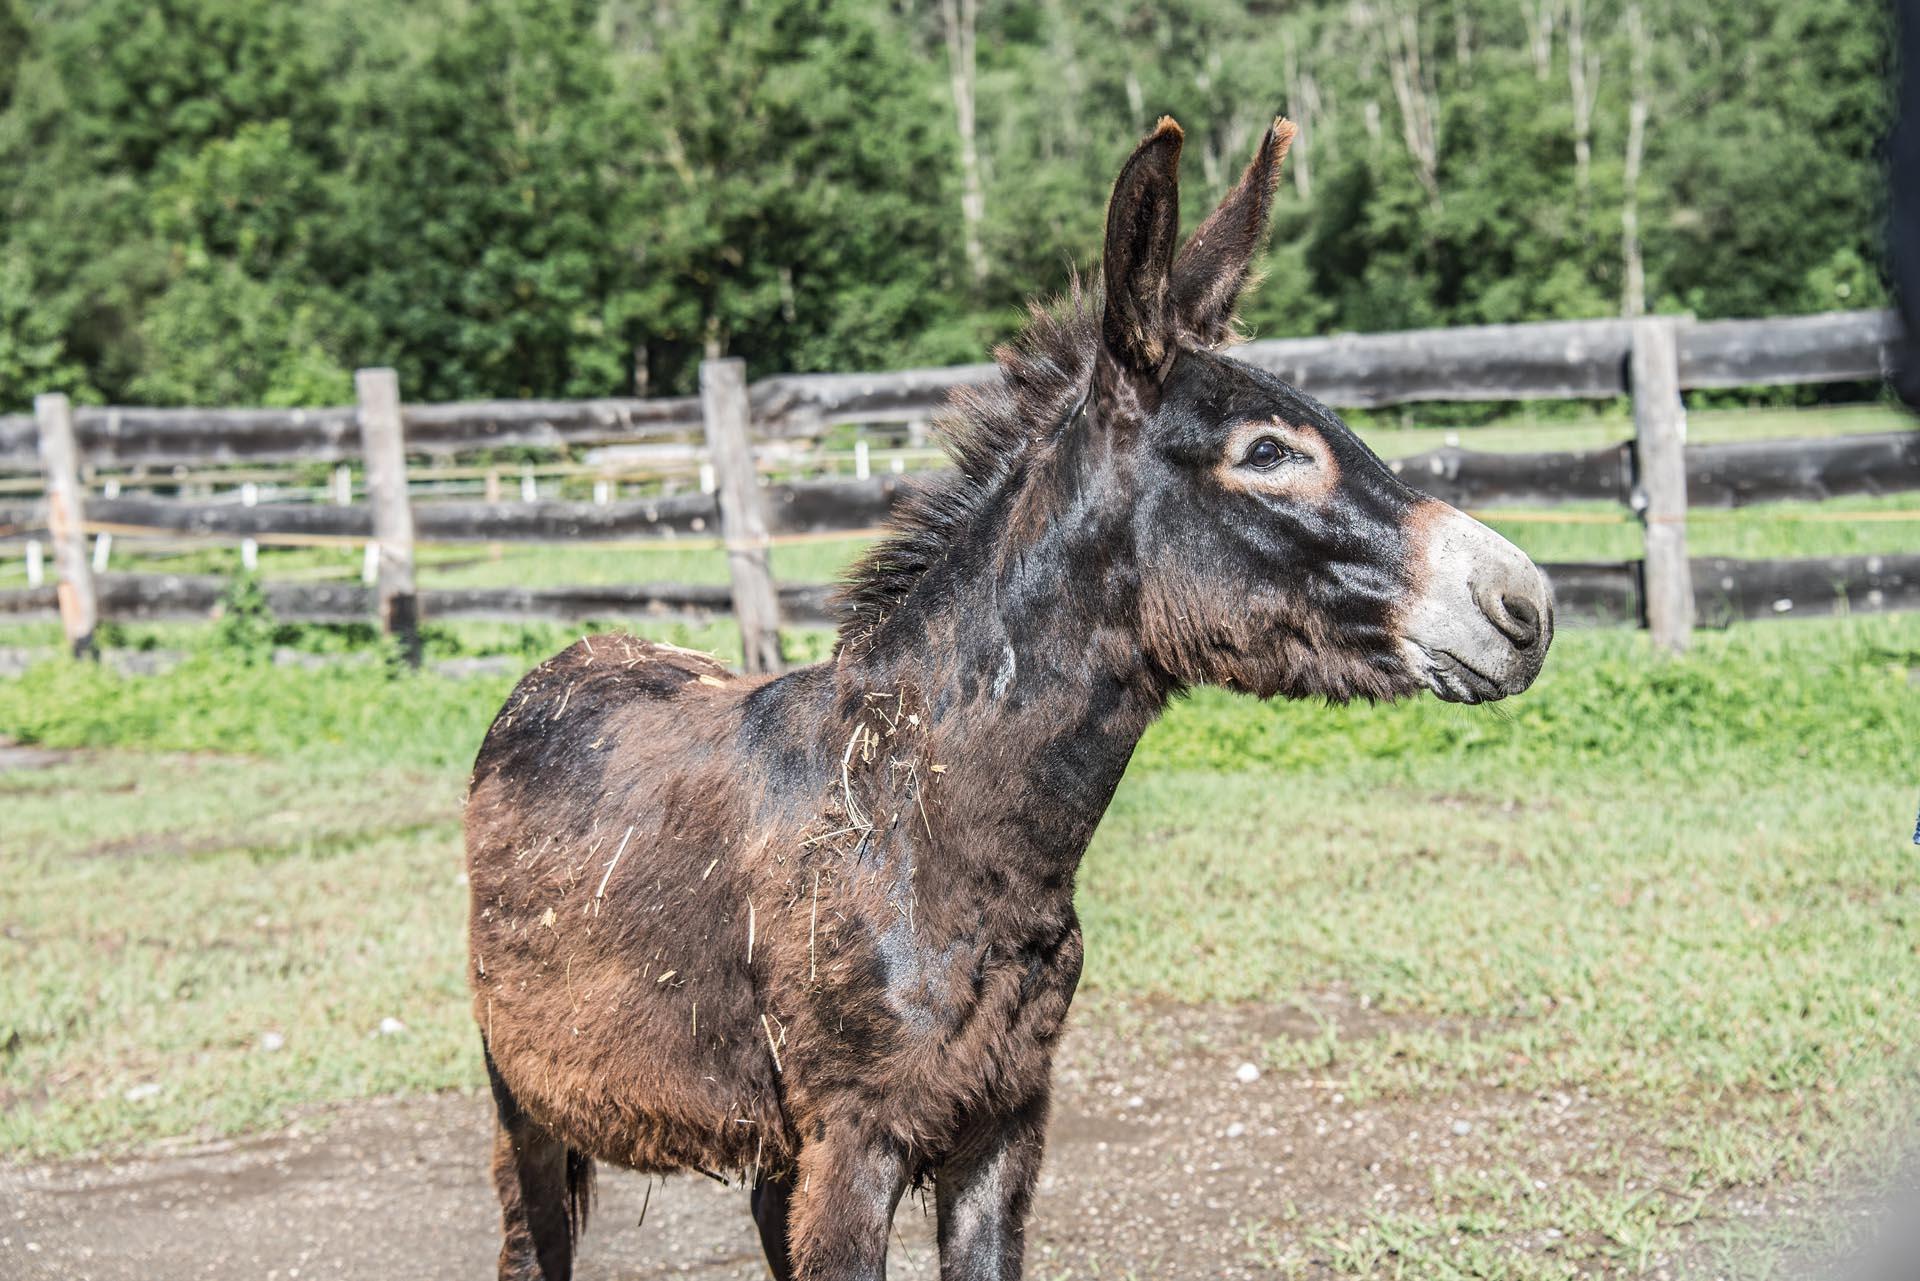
(1162, 1164)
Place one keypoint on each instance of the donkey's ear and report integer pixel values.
(1212, 270)
(1143, 224)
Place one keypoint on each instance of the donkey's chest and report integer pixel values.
(937, 989)
(926, 1016)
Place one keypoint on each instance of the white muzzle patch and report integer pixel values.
(1479, 617)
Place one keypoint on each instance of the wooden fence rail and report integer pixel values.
(1655, 475)
(161, 597)
(1718, 475)
(1597, 592)
(1581, 360)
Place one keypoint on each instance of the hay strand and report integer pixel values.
(772, 1045)
(611, 864)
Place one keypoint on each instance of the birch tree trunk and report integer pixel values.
(1415, 92)
(1633, 277)
(1583, 78)
(1303, 108)
(1539, 17)
(960, 17)
(1072, 79)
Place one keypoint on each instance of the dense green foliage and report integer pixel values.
(241, 201)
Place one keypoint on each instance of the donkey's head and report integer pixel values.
(1274, 551)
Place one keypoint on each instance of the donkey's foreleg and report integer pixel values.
(845, 1187)
(984, 1192)
(772, 1199)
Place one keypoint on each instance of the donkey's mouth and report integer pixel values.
(1455, 680)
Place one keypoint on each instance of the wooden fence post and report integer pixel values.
(383, 445)
(743, 522)
(66, 521)
(1660, 480)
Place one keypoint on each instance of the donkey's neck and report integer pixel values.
(1022, 652)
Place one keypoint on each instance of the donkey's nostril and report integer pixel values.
(1518, 619)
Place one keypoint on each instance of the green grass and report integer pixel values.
(1702, 883)
(356, 713)
(1664, 935)
(1674, 881)
(163, 915)
(1686, 889)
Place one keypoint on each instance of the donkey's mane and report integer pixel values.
(987, 430)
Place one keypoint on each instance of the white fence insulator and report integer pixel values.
(370, 565)
(36, 563)
(249, 549)
(899, 464)
(343, 486)
(529, 487)
(103, 544)
(708, 481)
(862, 460)
(602, 493)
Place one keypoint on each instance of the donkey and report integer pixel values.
(817, 931)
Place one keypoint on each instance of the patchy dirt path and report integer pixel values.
(388, 1188)
(1163, 1163)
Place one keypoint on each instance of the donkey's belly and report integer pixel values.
(656, 1069)
(689, 1062)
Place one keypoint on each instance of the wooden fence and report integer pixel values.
(1656, 475)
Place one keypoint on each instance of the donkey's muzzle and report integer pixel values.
(1479, 616)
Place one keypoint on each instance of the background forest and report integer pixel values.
(239, 201)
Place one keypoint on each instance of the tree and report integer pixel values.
(107, 101)
(33, 358)
(210, 200)
(791, 187)
(483, 234)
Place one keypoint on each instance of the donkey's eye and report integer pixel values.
(1265, 453)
